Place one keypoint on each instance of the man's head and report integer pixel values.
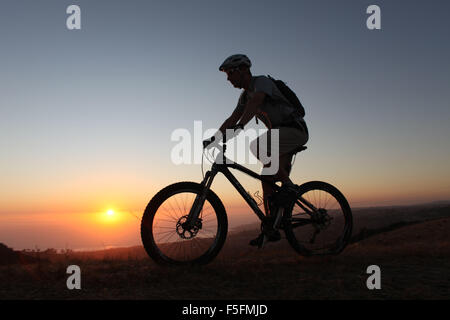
(237, 68)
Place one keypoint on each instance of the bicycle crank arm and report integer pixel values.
(277, 221)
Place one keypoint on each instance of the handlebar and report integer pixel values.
(235, 128)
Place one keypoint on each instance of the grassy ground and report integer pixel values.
(414, 262)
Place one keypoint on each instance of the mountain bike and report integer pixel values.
(186, 222)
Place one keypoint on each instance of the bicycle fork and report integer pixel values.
(199, 200)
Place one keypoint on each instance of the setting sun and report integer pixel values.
(110, 216)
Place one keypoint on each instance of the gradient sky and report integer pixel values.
(86, 116)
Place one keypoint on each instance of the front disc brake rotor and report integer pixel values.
(188, 233)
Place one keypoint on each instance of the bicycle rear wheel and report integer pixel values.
(162, 232)
(327, 228)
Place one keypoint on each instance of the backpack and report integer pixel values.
(289, 95)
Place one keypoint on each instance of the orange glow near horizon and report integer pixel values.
(106, 218)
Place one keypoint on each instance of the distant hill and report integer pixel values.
(9, 256)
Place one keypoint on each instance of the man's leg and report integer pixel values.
(282, 175)
(285, 168)
(257, 149)
(267, 192)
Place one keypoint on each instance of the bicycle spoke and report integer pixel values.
(324, 229)
(171, 212)
(189, 244)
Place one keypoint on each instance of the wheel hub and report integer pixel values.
(188, 233)
(321, 219)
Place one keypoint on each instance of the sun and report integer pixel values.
(109, 216)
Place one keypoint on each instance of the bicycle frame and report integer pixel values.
(223, 167)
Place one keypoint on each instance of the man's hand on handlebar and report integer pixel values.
(236, 128)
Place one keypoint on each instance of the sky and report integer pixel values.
(86, 116)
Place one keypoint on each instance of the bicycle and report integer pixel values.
(186, 222)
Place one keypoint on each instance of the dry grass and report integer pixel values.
(414, 261)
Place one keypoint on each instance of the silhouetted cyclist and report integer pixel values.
(262, 98)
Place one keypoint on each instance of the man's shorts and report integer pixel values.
(288, 139)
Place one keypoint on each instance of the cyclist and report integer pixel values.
(262, 98)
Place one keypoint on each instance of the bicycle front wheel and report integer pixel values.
(321, 220)
(162, 232)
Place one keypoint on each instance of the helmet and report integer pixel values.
(234, 61)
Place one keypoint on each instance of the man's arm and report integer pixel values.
(231, 121)
(252, 107)
(245, 114)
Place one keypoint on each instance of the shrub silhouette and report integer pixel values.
(7, 255)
